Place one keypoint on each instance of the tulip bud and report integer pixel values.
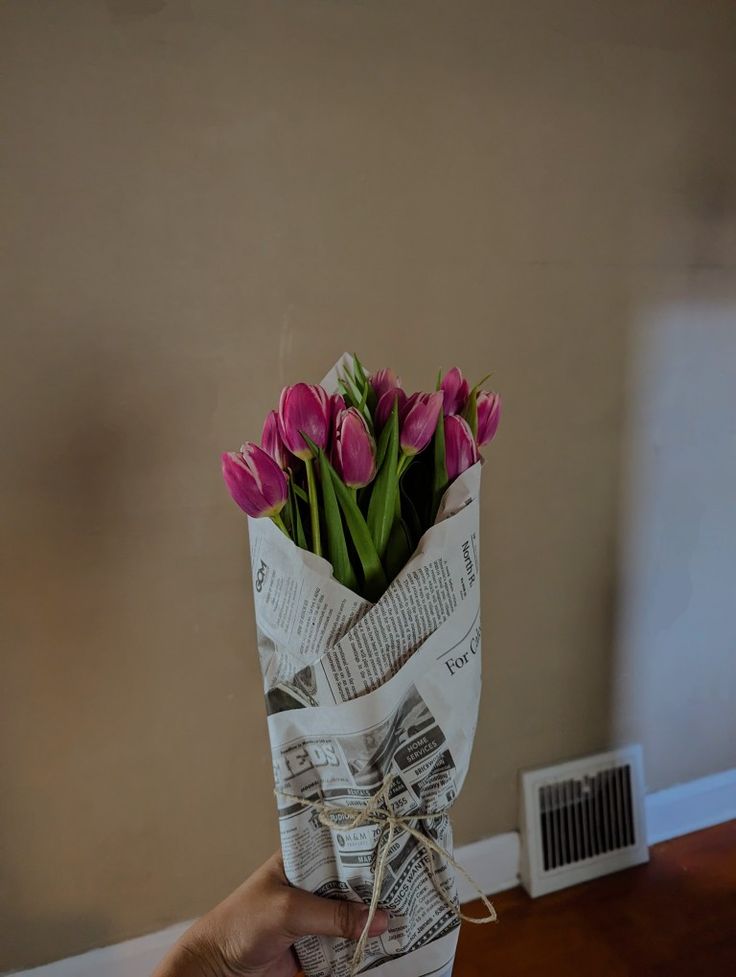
(255, 481)
(460, 448)
(304, 408)
(353, 449)
(489, 416)
(385, 405)
(337, 403)
(419, 420)
(455, 389)
(271, 440)
(384, 380)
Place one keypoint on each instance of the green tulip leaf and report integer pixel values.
(440, 478)
(356, 396)
(373, 574)
(482, 380)
(359, 373)
(351, 392)
(336, 544)
(471, 411)
(299, 491)
(383, 443)
(382, 506)
(369, 393)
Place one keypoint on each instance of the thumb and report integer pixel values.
(311, 915)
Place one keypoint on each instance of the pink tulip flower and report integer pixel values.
(305, 408)
(385, 405)
(489, 416)
(419, 420)
(455, 389)
(255, 481)
(271, 440)
(353, 449)
(384, 380)
(460, 448)
(337, 403)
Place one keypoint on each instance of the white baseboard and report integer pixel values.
(690, 807)
(133, 958)
(492, 862)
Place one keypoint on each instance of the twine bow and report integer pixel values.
(378, 811)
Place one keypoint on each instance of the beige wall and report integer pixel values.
(209, 199)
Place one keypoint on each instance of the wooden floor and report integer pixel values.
(674, 917)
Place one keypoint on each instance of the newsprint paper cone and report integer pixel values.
(358, 692)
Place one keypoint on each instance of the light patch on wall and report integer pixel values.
(674, 681)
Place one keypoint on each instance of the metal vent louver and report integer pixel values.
(582, 819)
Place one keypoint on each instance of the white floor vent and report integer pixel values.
(582, 819)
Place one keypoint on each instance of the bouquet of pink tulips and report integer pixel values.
(358, 475)
(363, 507)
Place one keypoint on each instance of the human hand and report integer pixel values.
(250, 933)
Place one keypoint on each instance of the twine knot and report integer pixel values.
(378, 811)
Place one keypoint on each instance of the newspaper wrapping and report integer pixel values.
(358, 692)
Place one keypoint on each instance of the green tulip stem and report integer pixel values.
(278, 521)
(404, 462)
(313, 506)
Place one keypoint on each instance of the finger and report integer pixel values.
(274, 867)
(313, 915)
